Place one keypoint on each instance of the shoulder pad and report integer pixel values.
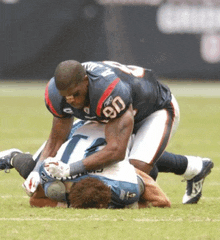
(53, 99)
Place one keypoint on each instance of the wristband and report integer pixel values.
(77, 167)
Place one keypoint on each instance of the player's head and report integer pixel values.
(53, 188)
(89, 193)
(72, 83)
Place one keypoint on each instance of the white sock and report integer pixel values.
(193, 168)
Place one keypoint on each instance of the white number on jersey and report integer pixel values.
(96, 144)
(128, 69)
(117, 106)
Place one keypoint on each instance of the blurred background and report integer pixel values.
(177, 39)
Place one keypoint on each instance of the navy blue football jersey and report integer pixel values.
(112, 88)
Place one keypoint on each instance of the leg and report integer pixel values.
(14, 158)
(169, 162)
(152, 135)
(197, 170)
(193, 169)
(5, 159)
(150, 140)
(24, 164)
(154, 172)
(144, 167)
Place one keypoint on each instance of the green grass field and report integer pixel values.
(25, 123)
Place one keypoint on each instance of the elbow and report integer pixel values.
(168, 203)
(162, 203)
(32, 202)
(120, 157)
(117, 153)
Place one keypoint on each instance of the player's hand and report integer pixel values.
(31, 183)
(57, 168)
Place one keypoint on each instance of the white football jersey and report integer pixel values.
(86, 138)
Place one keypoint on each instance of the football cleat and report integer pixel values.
(194, 185)
(5, 159)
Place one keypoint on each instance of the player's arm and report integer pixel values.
(117, 134)
(40, 200)
(60, 130)
(153, 195)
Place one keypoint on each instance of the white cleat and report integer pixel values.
(5, 159)
(194, 185)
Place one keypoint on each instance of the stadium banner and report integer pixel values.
(177, 38)
(37, 35)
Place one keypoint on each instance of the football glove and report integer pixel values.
(56, 168)
(31, 183)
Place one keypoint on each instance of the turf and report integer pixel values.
(25, 123)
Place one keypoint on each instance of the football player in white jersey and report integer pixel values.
(86, 138)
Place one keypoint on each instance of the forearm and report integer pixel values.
(96, 161)
(102, 159)
(58, 135)
(46, 202)
(50, 149)
(117, 133)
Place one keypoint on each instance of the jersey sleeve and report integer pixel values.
(114, 101)
(53, 100)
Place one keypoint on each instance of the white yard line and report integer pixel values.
(113, 220)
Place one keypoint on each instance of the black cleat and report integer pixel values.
(5, 159)
(194, 186)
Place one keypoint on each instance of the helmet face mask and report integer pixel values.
(53, 188)
(45, 177)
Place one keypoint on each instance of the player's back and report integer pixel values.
(137, 85)
(88, 138)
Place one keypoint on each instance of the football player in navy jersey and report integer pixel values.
(130, 100)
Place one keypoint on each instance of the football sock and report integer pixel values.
(154, 172)
(194, 167)
(23, 163)
(173, 163)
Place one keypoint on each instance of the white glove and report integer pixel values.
(57, 168)
(31, 183)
